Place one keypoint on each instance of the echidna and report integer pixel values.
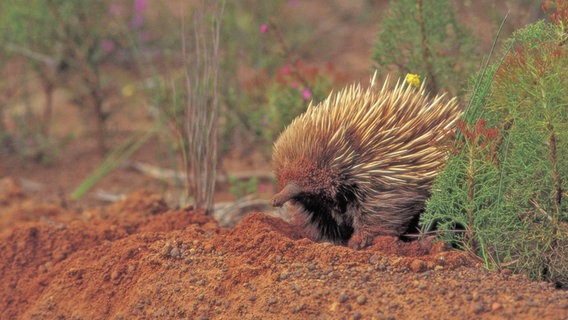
(361, 163)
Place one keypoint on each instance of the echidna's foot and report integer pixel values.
(360, 240)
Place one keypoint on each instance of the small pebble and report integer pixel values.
(506, 272)
(166, 249)
(175, 253)
(475, 296)
(374, 259)
(496, 306)
(115, 274)
(333, 307)
(418, 265)
(478, 308)
(361, 299)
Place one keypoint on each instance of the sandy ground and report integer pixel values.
(138, 259)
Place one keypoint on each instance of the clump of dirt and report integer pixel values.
(139, 259)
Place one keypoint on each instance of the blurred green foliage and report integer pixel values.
(65, 44)
(409, 41)
(243, 188)
(272, 101)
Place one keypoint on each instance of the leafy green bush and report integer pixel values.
(277, 89)
(274, 100)
(242, 188)
(505, 187)
(425, 37)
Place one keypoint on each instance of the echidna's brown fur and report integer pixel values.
(361, 163)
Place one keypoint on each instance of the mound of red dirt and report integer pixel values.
(138, 259)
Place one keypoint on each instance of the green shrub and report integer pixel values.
(277, 88)
(242, 188)
(274, 100)
(67, 44)
(506, 187)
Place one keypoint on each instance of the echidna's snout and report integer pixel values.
(288, 192)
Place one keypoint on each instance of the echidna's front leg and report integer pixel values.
(367, 226)
(363, 232)
(360, 240)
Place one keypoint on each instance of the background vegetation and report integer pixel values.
(425, 37)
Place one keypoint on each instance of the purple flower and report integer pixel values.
(137, 21)
(139, 6)
(293, 3)
(306, 93)
(263, 28)
(115, 10)
(143, 36)
(108, 46)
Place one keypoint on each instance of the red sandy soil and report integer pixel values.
(138, 259)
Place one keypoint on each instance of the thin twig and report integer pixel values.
(433, 86)
(435, 232)
(201, 107)
(287, 54)
(164, 174)
(40, 57)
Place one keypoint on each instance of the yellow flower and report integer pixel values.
(127, 90)
(413, 79)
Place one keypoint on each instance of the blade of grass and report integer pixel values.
(112, 161)
(478, 92)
